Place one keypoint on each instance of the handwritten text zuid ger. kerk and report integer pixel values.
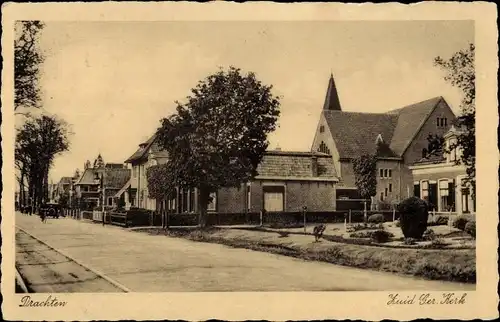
(427, 299)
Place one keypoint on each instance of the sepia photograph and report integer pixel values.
(232, 156)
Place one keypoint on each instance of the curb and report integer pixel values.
(20, 281)
(93, 270)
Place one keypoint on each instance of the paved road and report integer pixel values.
(47, 271)
(145, 263)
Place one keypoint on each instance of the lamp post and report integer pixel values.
(99, 179)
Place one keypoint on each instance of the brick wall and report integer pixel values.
(414, 152)
(317, 196)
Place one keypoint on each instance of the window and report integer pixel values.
(212, 205)
(442, 122)
(323, 148)
(444, 194)
(321, 129)
(274, 198)
(110, 201)
(465, 197)
(390, 187)
(425, 190)
(381, 196)
(385, 173)
(386, 192)
(134, 171)
(249, 197)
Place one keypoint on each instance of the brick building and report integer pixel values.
(398, 138)
(287, 181)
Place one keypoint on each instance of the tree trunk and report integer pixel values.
(203, 205)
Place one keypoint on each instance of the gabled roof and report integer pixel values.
(296, 165)
(114, 178)
(65, 180)
(410, 120)
(356, 133)
(141, 153)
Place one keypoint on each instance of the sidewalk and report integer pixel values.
(145, 263)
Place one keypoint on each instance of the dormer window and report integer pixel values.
(321, 129)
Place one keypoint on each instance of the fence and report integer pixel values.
(142, 217)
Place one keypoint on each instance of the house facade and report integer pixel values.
(87, 188)
(398, 138)
(287, 181)
(441, 181)
(136, 191)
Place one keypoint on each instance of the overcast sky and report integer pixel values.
(114, 81)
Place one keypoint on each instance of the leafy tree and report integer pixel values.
(27, 60)
(460, 72)
(38, 141)
(218, 136)
(435, 145)
(365, 175)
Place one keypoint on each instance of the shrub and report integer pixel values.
(381, 236)
(361, 234)
(429, 235)
(413, 217)
(441, 220)
(460, 222)
(376, 219)
(470, 228)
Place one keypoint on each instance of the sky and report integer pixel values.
(114, 81)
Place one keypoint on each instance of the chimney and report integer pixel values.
(314, 166)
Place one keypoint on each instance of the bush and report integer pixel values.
(441, 220)
(361, 234)
(470, 228)
(376, 219)
(413, 217)
(381, 236)
(460, 222)
(429, 235)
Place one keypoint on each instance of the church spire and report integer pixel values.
(332, 101)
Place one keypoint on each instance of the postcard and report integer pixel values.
(242, 161)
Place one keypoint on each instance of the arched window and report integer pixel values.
(323, 148)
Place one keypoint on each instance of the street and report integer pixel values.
(144, 263)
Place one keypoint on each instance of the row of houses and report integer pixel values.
(322, 179)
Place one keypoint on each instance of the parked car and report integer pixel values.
(51, 210)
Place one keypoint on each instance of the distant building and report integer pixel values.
(87, 187)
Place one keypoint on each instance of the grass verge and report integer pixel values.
(447, 265)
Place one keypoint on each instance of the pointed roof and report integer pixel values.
(142, 152)
(332, 101)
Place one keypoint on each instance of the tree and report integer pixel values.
(365, 175)
(218, 136)
(38, 141)
(460, 73)
(27, 60)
